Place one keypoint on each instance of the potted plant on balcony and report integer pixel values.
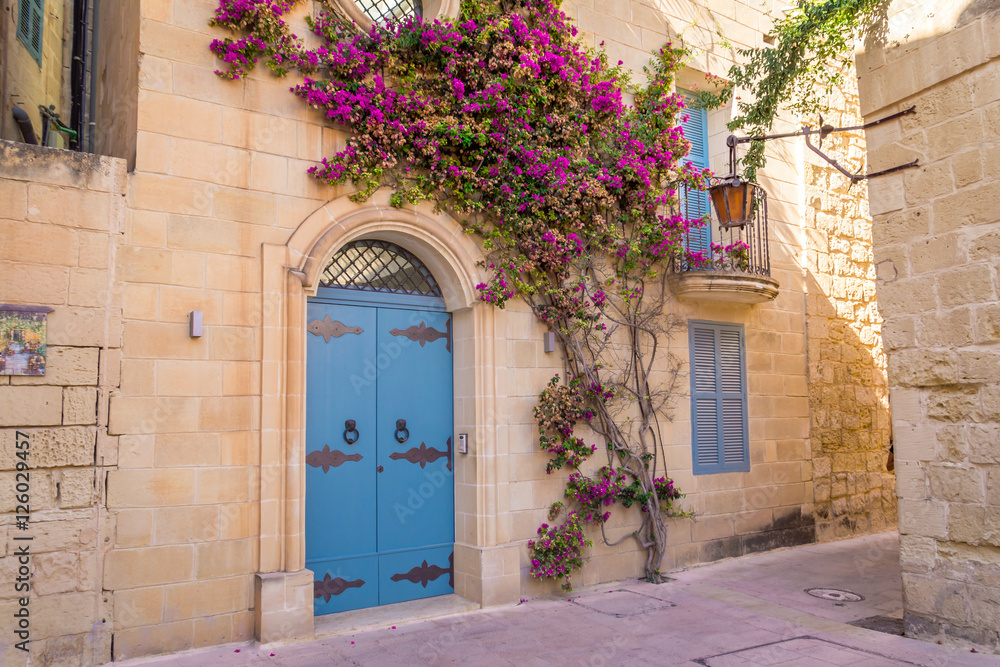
(732, 257)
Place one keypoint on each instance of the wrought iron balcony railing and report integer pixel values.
(742, 249)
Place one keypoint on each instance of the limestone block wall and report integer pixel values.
(849, 400)
(935, 238)
(220, 169)
(61, 219)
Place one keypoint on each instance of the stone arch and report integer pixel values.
(439, 241)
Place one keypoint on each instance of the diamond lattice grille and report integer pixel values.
(381, 10)
(379, 266)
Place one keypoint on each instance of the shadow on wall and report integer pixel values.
(976, 9)
(850, 428)
(850, 431)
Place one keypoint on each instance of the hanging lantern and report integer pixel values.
(732, 199)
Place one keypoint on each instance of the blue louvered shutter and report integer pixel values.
(696, 131)
(30, 22)
(720, 434)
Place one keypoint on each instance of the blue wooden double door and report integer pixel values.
(380, 498)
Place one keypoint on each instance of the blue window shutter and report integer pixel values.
(696, 131)
(30, 25)
(704, 399)
(719, 419)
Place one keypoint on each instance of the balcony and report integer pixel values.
(737, 261)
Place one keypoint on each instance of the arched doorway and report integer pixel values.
(380, 499)
(487, 569)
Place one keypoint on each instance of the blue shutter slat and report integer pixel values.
(696, 131)
(706, 434)
(732, 430)
(720, 435)
(703, 353)
(704, 403)
(730, 361)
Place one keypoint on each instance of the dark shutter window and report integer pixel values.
(696, 203)
(720, 434)
(30, 21)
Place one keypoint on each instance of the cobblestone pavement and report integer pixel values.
(749, 611)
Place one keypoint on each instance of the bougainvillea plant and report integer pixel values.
(506, 121)
(558, 551)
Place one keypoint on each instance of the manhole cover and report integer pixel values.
(834, 594)
(622, 603)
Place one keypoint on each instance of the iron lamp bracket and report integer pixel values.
(823, 131)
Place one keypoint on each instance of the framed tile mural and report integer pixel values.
(22, 339)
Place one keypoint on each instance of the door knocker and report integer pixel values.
(401, 427)
(348, 430)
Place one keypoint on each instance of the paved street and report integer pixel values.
(750, 611)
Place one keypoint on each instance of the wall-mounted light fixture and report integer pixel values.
(194, 324)
(549, 342)
(733, 200)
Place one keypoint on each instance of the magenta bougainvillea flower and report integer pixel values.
(507, 121)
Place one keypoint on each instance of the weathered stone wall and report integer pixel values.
(220, 169)
(848, 395)
(61, 219)
(936, 243)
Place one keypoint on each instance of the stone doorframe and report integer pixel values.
(486, 564)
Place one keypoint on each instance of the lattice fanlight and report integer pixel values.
(381, 10)
(379, 266)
